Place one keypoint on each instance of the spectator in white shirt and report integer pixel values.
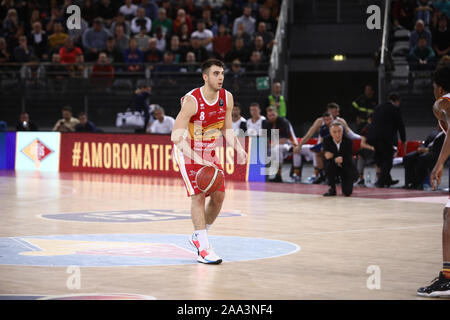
(129, 9)
(247, 20)
(254, 124)
(163, 124)
(140, 20)
(205, 35)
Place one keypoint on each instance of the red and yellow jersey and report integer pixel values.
(206, 124)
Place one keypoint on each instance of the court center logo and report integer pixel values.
(114, 250)
(37, 151)
(130, 216)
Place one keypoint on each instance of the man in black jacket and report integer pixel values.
(382, 135)
(339, 160)
(420, 162)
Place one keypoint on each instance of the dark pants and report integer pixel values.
(417, 166)
(347, 176)
(384, 153)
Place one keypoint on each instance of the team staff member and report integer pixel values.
(339, 160)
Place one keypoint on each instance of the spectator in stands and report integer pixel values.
(165, 70)
(106, 10)
(69, 52)
(133, 57)
(403, 13)
(339, 160)
(363, 106)
(113, 53)
(122, 40)
(234, 76)
(276, 100)
(418, 32)
(241, 33)
(254, 123)
(85, 125)
(222, 43)
(441, 38)
(185, 36)
(38, 41)
(4, 53)
(151, 9)
(258, 45)
(25, 124)
(34, 17)
(268, 37)
(204, 35)
(163, 21)
(191, 64)
(102, 73)
(163, 124)
(274, 7)
(57, 38)
(142, 39)
(161, 42)
(152, 55)
(422, 56)
(140, 21)
(76, 70)
(266, 17)
(5, 6)
(228, 13)
(12, 28)
(68, 122)
(419, 163)
(88, 11)
(120, 21)
(247, 20)
(210, 24)
(57, 75)
(387, 121)
(200, 52)
(238, 52)
(256, 65)
(182, 18)
(56, 16)
(192, 9)
(239, 123)
(280, 149)
(178, 52)
(94, 39)
(128, 9)
(22, 53)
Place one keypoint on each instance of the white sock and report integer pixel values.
(202, 238)
(207, 227)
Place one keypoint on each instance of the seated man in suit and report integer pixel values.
(339, 160)
(419, 163)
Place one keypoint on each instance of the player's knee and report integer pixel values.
(218, 197)
(198, 199)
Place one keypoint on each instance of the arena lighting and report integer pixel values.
(339, 57)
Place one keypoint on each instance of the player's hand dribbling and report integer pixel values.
(436, 175)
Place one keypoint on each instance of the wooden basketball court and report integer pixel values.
(128, 235)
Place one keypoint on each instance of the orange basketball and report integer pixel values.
(209, 179)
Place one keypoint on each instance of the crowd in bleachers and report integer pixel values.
(421, 34)
(135, 32)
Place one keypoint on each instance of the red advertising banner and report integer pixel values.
(133, 154)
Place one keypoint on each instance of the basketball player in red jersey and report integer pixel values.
(440, 287)
(206, 114)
